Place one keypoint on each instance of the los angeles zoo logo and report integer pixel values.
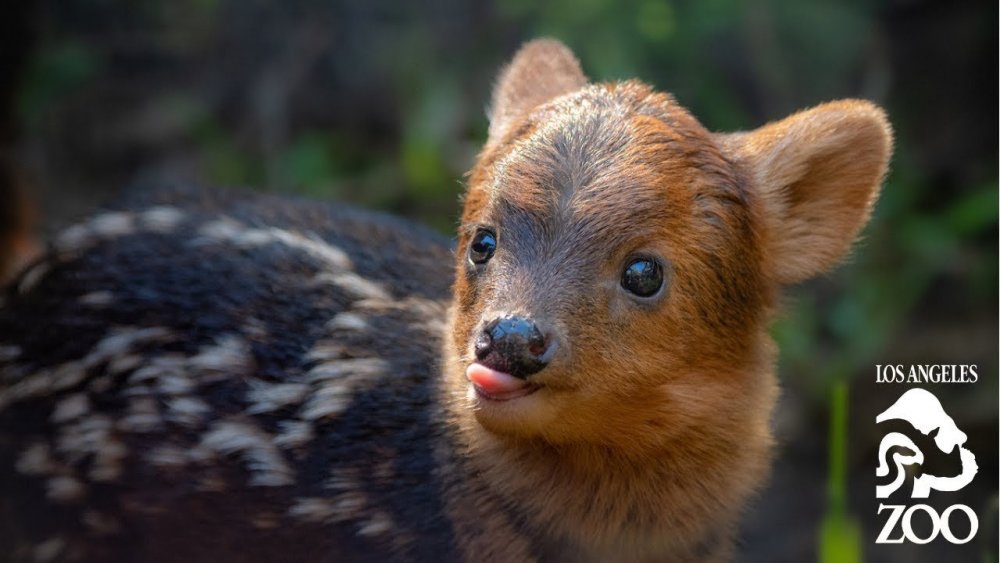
(924, 412)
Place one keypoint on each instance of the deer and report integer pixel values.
(584, 374)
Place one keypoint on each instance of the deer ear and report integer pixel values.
(818, 173)
(540, 71)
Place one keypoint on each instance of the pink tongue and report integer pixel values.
(494, 382)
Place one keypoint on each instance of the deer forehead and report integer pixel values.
(602, 165)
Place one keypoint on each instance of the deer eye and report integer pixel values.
(484, 244)
(642, 277)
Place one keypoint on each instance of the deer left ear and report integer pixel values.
(818, 173)
(541, 70)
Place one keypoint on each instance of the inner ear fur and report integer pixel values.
(818, 173)
(541, 70)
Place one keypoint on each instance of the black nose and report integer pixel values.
(512, 345)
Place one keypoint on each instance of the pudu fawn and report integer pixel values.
(212, 376)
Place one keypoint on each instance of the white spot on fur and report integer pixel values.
(161, 219)
(73, 238)
(36, 383)
(433, 312)
(349, 504)
(349, 368)
(220, 230)
(143, 416)
(123, 340)
(314, 246)
(336, 383)
(264, 461)
(122, 364)
(113, 224)
(97, 299)
(229, 355)
(361, 288)
(74, 406)
(343, 480)
(327, 350)
(293, 434)
(266, 397)
(254, 237)
(104, 226)
(48, 550)
(328, 402)
(68, 375)
(174, 384)
(378, 524)
(255, 329)
(31, 278)
(36, 460)
(347, 321)
(316, 510)
(64, 489)
(188, 411)
(92, 437)
(228, 231)
(167, 364)
(167, 457)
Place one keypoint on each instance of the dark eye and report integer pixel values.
(484, 244)
(643, 277)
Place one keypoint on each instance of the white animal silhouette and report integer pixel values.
(923, 410)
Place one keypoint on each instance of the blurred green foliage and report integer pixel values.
(840, 537)
(56, 72)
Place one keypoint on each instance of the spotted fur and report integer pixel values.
(202, 369)
(204, 375)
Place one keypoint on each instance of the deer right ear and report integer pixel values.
(540, 71)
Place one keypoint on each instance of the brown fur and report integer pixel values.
(651, 427)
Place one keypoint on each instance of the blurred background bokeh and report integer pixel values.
(382, 104)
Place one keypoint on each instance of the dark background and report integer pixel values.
(382, 104)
